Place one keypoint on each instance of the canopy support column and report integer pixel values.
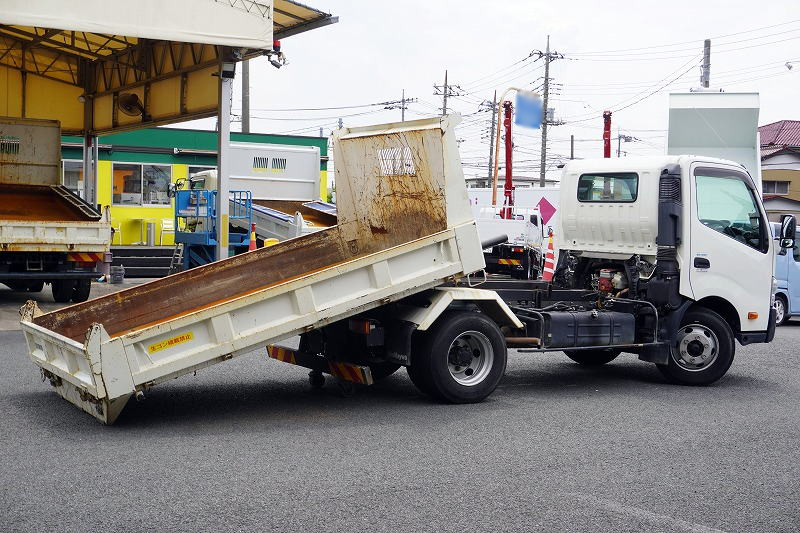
(226, 74)
(90, 158)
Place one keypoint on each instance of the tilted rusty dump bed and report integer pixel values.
(41, 203)
(37, 213)
(404, 225)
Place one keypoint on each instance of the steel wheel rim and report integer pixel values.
(696, 349)
(780, 310)
(480, 364)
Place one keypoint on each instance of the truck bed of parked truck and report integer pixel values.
(47, 233)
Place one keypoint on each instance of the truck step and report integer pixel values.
(146, 272)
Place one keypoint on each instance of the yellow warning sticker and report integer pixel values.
(169, 343)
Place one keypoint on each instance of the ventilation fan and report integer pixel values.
(130, 104)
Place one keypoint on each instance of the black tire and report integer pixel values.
(593, 357)
(382, 370)
(62, 290)
(454, 335)
(80, 293)
(710, 328)
(780, 300)
(35, 285)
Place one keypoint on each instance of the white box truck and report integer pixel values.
(284, 182)
(646, 266)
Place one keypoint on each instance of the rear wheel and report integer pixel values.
(781, 316)
(461, 359)
(593, 357)
(702, 351)
(62, 290)
(80, 293)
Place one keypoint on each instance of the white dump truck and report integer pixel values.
(47, 233)
(646, 266)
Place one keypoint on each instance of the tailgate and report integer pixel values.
(76, 370)
(41, 236)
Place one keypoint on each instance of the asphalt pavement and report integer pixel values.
(247, 445)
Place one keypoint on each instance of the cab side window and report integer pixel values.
(796, 251)
(725, 203)
(621, 187)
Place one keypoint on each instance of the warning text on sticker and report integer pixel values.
(169, 343)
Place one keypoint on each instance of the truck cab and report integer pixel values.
(687, 234)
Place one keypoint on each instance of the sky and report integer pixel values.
(621, 56)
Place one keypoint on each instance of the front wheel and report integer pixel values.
(781, 316)
(461, 359)
(702, 351)
(593, 357)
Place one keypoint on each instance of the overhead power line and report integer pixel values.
(694, 41)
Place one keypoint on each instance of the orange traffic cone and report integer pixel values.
(549, 261)
(252, 238)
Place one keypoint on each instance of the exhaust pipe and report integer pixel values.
(494, 241)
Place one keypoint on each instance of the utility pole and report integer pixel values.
(245, 96)
(572, 146)
(403, 107)
(444, 91)
(491, 137)
(619, 143)
(705, 72)
(543, 161)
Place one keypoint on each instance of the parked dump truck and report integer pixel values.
(404, 226)
(666, 257)
(47, 233)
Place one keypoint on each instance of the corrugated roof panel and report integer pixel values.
(781, 134)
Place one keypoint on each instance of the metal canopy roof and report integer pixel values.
(74, 65)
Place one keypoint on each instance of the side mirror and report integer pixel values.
(788, 231)
(534, 220)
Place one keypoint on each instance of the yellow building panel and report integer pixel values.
(103, 106)
(323, 185)
(50, 99)
(165, 98)
(10, 92)
(204, 91)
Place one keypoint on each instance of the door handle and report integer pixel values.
(701, 262)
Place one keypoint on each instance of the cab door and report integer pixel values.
(730, 243)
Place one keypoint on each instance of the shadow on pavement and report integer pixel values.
(271, 403)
